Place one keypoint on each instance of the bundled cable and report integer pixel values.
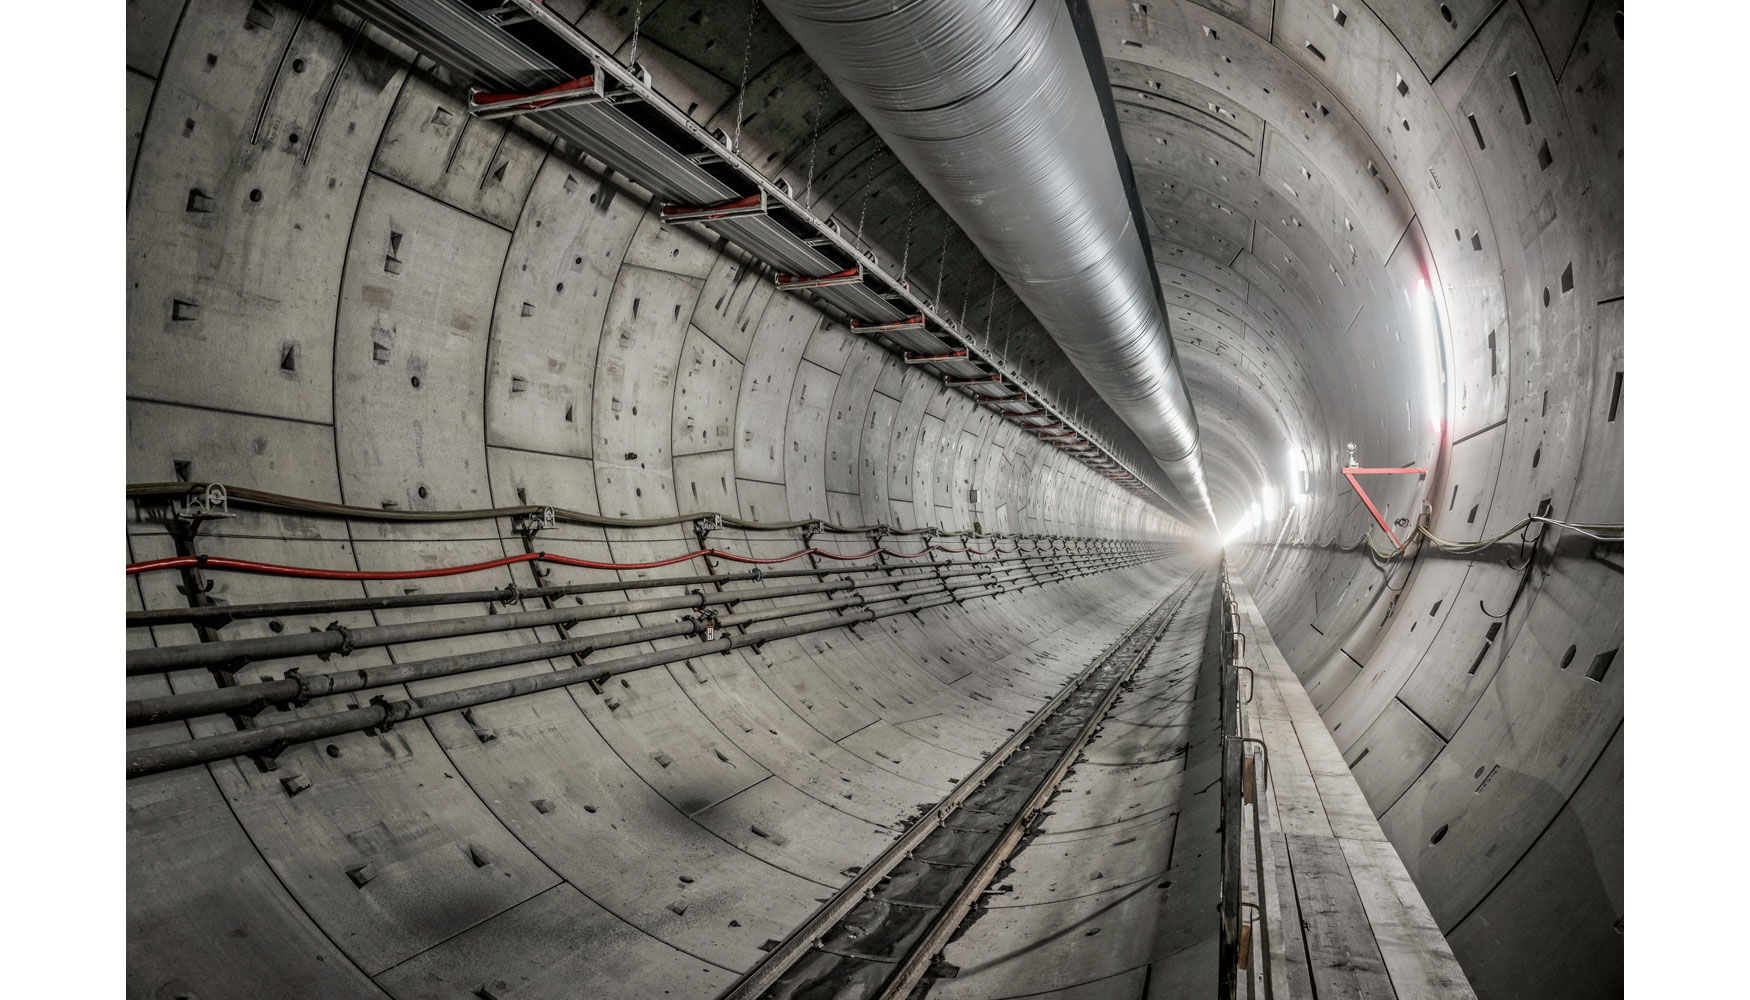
(318, 573)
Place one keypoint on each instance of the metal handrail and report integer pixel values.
(1235, 796)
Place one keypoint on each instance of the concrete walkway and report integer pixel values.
(1344, 918)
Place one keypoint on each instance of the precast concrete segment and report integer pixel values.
(867, 941)
(993, 109)
(779, 832)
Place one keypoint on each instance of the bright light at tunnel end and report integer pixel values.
(1246, 524)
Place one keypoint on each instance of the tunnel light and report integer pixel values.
(1268, 499)
(1427, 315)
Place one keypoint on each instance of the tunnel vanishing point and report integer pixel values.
(837, 499)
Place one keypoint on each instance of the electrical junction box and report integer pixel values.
(973, 495)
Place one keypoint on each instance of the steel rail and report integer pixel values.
(800, 941)
(924, 954)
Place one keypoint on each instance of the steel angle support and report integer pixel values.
(982, 400)
(505, 15)
(913, 358)
(1350, 472)
(980, 380)
(753, 204)
(794, 282)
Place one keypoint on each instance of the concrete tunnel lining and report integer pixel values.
(406, 306)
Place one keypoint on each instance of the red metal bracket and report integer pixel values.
(753, 204)
(909, 324)
(1350, 475)
(791, 282)
(1019, 397)
(582, 90)
(1006, 415)
(951, 380)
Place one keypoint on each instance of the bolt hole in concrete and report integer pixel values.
(415, 381)
(297, 65)
(1568, 657)
(255, 195)
(1439, 835)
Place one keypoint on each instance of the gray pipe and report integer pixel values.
(166, 757)
(992, 107)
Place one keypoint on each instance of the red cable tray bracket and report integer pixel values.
(925, 359)
(753, 204)
(1015, 416)
(583, 90)
(981, 380)
(1350, 475)
(911, 324)
(792, 282)
(982, 400)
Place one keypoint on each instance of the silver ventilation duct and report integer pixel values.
(993, 108)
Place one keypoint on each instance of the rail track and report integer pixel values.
(881, 936)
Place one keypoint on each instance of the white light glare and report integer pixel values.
(1429, 315)
(1297, 477)
(1271, 507)
(1246, 524)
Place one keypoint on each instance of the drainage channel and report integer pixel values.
(882, 934)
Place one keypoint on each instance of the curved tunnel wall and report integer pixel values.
(1305, 165)
(342, 288)
(569, 349)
